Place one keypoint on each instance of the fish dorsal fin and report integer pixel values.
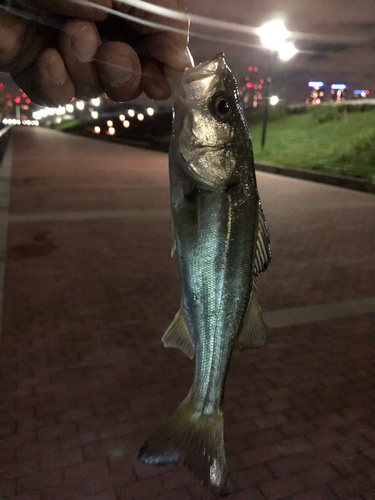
(177, 335)
(253, 332)
(262, 249)
(173, 249)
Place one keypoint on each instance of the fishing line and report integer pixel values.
(166, 27)
(224, 25)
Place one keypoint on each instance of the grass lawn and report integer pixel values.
(321, 139)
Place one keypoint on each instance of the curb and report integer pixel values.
(310, 175)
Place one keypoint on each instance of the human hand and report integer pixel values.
(60, 49)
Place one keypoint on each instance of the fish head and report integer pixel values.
(210, 123)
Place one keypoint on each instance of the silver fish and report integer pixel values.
(223, 245)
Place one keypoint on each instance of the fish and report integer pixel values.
(222, 242)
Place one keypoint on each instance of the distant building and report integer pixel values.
(338, 92)
(361, 94)
(251, 88)
(316, 95)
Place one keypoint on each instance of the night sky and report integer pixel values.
(336, 39)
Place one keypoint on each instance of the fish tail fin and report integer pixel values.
(195, 436)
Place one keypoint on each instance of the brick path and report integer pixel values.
(88, 295)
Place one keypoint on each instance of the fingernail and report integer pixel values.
(56, 70)
(119, 69)
(84, 43)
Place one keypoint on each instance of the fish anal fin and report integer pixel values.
(253, 332)
(196, 437)
(177, 335)
(262, 255)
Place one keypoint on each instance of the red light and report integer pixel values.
(250, 68)
(28, 101)
(318, 101)
(262, 81)
(1, 85)
(73, 99)
(24, 95)
(367, 91)
(248, 85)
(17, 100)
(255, 69)
(247, 78)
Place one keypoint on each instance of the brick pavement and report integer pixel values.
(85, 378)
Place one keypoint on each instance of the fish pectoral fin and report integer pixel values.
(262, 248)
(253, 332)
(177, 335)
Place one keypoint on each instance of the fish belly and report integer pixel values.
(215, 260)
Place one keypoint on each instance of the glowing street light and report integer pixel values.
(110, 123)
(150, 111)
(274, 100)
(126, 123)
(69, 108)
(286, 51)
(111, 131)
(95, 101)
(140, 117)
(80, 105)
(273, 35)
(131, 112)
(97, 130)
(94, 114)
(122, 117)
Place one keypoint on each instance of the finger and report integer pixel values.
(163, 45)
(55, 84)
(168, 48)
(120, 71)
(79, 43)
(70, 8)
(20, 43)
(154, 83)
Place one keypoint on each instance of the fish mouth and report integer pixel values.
(204, 70)
(203, 148)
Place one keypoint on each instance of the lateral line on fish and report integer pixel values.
(226, 248)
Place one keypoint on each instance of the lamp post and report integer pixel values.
(273, 35)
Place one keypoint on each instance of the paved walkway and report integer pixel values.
(89, 290)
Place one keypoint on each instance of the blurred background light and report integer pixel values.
(286, 51)
(273, 34)
(274, 100)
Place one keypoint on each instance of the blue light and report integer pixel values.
(316, 84)
(359, 91)
(338, 86)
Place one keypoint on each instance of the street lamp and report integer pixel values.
(273, 35)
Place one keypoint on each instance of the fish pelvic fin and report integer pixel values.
(196, 437)
(253, 332)
(177, 335)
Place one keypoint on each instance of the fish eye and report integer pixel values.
(221, 107)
